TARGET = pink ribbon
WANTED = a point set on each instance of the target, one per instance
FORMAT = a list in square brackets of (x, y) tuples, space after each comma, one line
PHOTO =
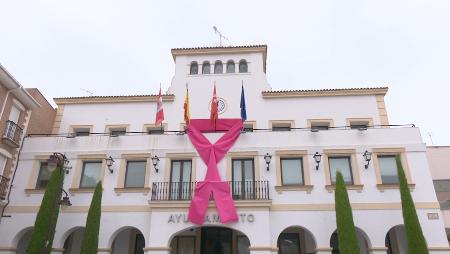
[(212, 154)]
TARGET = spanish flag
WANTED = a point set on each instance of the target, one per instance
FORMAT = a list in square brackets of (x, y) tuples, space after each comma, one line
[(187, 113)]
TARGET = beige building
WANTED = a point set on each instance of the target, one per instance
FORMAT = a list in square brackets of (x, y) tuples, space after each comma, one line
[(439, 160), (23, 111)]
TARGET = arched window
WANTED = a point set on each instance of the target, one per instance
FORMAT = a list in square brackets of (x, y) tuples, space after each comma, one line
[(230, 66), (194, 68), (218, 67), (243, 68), (206, 68)]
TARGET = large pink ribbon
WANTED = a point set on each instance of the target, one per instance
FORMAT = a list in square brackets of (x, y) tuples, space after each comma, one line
[(211, 154)]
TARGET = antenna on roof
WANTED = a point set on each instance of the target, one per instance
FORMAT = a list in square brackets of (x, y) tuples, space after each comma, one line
[(87, 91), (221, 36)]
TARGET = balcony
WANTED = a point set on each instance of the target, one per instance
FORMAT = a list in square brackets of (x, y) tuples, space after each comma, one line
[(12, 134), (183, 191), (3, 187)]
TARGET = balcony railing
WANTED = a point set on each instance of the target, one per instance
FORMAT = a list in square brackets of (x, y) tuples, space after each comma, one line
[(12, 134), (3, 187), (240, 190)]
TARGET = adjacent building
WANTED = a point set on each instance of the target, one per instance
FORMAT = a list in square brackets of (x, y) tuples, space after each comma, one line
[(281, 171), (22, 111)]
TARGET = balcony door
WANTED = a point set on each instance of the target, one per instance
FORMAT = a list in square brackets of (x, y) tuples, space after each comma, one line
[(180, 180), (243, 184)]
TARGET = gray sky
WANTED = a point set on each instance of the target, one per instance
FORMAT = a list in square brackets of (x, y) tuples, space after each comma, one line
[(123, 47)]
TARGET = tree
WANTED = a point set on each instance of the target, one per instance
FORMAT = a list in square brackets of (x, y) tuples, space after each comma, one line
[(89, 244), (44, 227), (347, 239), (414, 236)]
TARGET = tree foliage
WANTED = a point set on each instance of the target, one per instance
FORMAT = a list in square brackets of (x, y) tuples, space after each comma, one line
[(414, 236), (89, 244), (44, 226), (347, 239)]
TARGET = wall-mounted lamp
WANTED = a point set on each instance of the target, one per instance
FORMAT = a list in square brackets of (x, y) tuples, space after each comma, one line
[(65, 201), (317, 158), (58, 159), (267, 158), (367, 157), (109, 163), (155, 161)]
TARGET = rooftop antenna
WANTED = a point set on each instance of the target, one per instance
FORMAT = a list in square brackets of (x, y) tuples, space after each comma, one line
[(430, 134), (87, 91), (221, 36)]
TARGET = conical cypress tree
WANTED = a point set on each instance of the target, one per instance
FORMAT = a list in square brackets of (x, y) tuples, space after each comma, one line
[(414, 236), (44, 227), (89, 244), (347, 239)]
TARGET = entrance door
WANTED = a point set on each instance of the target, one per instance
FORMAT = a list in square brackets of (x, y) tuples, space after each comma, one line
[(216, 240), (289, 243), (243, 179)]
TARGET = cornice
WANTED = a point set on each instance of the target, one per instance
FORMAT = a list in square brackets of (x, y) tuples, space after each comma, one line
[(325, 92), (112, 99)]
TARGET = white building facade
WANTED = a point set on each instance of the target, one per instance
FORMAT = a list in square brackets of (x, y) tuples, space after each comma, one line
[(286, 206)]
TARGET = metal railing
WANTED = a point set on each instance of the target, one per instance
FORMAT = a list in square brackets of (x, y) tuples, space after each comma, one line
[(13, 132), (240, 190), (3, 187)]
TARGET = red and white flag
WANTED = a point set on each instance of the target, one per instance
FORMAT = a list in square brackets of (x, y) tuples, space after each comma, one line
[(214, 110), (159, 109)]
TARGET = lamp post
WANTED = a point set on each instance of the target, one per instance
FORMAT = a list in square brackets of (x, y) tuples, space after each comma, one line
[(57, 161)]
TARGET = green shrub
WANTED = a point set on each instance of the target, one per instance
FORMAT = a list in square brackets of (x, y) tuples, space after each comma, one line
[(47, 217), (347, 239), (414, 236), (89, 244)]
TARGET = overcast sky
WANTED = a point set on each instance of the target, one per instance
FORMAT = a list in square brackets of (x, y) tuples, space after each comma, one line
[(123, 47)]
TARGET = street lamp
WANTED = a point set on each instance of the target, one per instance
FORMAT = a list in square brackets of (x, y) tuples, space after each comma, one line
[(317, 158), (367, 157), (267, 158), (155, 161), (109, 163)]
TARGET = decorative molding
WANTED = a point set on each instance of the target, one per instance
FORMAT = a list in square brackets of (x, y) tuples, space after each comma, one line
[(381, 91), (112, 99), (281, 188), (381, 106), (132, 190)]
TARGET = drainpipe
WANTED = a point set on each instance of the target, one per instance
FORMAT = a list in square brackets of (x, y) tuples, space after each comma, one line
[(15, 168)]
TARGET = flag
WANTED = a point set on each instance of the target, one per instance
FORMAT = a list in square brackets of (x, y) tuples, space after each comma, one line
[(243, 109), (159, 109), (187, 112), (214, 111)]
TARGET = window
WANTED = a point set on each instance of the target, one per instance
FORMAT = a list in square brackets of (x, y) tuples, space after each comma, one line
[(206, 68), (359, 123), (388, 169), (155, 130), (91, 174), (114, 132), (218, 67), (289, 243), (180, 178), (194, 68), (2, 163), (442, 188), (230, 66), (291, 171), (44, 175), (248, 127), (320, 126), (343, 165), (81, 132), (14, 114), (281, 126), (243, 66), (243, 184), (135, 174)]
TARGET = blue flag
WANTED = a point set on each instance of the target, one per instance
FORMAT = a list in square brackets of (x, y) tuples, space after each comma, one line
[(243, 110)]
